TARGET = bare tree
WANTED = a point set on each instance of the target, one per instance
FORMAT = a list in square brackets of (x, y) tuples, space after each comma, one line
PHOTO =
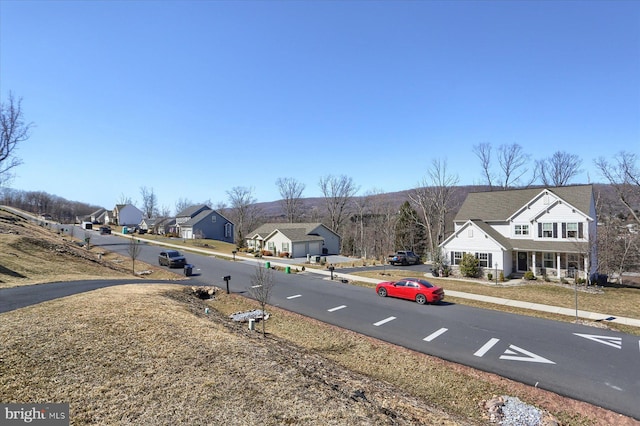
[(362, 212), (124, 200), (559, 169), (512, 161), (384, 216), (624, 176), (149, 202), (14, 131), (134, 251), (165, 211), (338, 191), (483, 152), (261, 286), (433, 199), (182, 204), (243, 211), (291, 193)]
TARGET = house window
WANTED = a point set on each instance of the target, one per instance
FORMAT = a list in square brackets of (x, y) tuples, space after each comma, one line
[(271, 246), (547, 230), (285, 247), (483, 259), (549, 260), (522, 229), (213, 218), (227, 230), (456, 258), (470, 233), (572, 230)]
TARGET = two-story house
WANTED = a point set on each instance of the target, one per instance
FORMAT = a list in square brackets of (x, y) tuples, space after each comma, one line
[(548, 231), (127, 214)]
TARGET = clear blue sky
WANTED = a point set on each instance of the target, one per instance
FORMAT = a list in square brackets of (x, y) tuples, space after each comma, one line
[(193, 98)]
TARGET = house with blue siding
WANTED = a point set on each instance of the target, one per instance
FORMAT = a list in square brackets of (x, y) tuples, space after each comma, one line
[(202, 222)]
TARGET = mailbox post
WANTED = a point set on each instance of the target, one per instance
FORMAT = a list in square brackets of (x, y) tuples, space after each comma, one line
[(226, 278), (234, 255)]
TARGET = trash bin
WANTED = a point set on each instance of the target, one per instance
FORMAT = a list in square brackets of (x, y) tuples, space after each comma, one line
[(124, 229), (267, 265), (188, 269), (287, 269), (317, 259)]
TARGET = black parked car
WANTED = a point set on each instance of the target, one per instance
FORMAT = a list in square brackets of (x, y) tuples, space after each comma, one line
[(172, 259)]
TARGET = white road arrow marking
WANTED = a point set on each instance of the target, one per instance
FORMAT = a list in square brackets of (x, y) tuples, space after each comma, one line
[(616, 342), (515, 353), (294, 296), (435, 334), (384, 321), (485, 348), (337, 308)]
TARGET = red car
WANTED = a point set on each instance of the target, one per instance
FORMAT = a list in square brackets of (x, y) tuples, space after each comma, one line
[(422, 291)]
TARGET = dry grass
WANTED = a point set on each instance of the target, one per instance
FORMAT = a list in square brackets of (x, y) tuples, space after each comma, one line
[(147, 354), (32, 255)]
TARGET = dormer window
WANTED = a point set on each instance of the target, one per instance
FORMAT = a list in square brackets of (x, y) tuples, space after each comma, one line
[(521, 230)]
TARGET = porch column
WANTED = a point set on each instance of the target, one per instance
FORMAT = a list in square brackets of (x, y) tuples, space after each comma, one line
[(558, 266), (533, 263), (585, 261)]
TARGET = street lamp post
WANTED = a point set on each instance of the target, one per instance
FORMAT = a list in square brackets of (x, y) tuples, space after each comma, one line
[(496, 273)]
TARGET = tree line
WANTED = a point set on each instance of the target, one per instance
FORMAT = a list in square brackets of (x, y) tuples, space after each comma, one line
[(373, 224)]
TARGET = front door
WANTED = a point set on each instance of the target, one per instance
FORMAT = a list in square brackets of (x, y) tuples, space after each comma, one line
[(522, 261)]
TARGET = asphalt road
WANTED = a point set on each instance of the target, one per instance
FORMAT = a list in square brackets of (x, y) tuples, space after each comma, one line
[(598, 366)]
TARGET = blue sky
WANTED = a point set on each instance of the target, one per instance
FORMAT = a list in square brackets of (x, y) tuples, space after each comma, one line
[(193, 98)]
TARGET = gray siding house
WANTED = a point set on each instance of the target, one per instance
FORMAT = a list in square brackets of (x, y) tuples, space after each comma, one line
[(203, 222)]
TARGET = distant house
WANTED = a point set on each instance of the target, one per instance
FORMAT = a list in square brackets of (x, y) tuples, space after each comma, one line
[(548, 231), (165, 225), (109, 218), (297, 239), (201, 221), (148, 223), (127, 215), (98, 216)]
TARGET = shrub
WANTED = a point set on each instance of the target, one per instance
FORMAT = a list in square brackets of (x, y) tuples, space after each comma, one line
[(266, 253), (284, 254), (501, 276), (529, 276), (469, 266), (490, 276)]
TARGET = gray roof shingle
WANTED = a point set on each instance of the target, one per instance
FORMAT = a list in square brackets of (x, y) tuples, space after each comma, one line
[(500, 205)]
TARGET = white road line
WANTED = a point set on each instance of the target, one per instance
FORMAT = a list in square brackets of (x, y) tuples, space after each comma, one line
[(294, 296), (337, 308), (615, 342), (384, 321), (255, 286), (434, 335), (484, 349)]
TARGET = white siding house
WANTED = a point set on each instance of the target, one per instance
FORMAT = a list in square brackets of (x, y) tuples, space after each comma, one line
[(548, 231), (297, 239)]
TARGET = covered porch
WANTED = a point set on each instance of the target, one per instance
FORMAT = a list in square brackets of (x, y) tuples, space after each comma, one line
[(551, 264)]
